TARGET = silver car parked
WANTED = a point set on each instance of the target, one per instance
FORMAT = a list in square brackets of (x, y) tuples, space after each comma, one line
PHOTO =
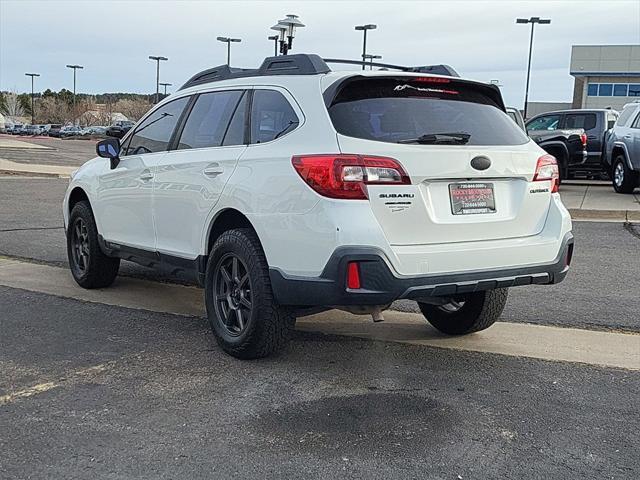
[(623, 150)]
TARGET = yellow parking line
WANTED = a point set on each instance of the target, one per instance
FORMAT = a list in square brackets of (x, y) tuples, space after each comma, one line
[(73, 378)]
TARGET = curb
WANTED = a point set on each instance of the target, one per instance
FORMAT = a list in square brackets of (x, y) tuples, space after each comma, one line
[(605, 215)]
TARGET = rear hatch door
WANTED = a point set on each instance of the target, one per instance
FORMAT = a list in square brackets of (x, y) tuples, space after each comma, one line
[(471, 167)]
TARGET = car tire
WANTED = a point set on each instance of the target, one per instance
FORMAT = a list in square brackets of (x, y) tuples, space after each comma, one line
[(90, 267), (466, 313), (624, 179), (243, 313)]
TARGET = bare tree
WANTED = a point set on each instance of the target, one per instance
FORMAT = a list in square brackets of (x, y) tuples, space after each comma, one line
[(12, 106), (52, 110), (133, 109)]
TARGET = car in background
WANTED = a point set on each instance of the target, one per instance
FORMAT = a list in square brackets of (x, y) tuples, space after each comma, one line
[(15, 130), (622, 157), (54, 130), (594, 122), (516, 116), (29, 130), (70, 131), (94, 130), (119, 128), (569, 147)]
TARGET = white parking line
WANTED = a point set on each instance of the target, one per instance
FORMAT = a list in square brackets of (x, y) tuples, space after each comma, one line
[(609, 349)]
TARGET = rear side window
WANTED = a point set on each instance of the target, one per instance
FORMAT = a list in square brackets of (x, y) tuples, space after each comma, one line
[(546, 122), (209, 119), (417, 110), (272, 116), (586, 121), (154, 134)]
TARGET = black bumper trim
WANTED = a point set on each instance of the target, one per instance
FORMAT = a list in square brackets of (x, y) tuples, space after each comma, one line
[(381, 285)]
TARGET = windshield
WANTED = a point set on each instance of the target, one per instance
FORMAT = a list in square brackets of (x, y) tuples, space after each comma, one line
[(422, 110)]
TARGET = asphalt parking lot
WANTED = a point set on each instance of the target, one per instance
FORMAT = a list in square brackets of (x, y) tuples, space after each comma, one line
[(113, 389)]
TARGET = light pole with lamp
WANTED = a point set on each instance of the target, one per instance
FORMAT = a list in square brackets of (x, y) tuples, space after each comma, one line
[(32, 75), (532, 21), (74, 67), (228, 41), (371, 58), (364, 28), (275, 41), (157, 60), (165, 85), (287, 28)]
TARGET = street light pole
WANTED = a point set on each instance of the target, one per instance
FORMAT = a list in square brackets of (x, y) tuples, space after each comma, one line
[(275, 41), (532, 21), (364, 28), (287, 29), (165, 85), (32, 75), (157, 60), (371, 58), (74, 67), (228, 41)]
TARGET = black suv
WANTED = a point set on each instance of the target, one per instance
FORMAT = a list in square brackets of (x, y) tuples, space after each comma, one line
[(595, 123)]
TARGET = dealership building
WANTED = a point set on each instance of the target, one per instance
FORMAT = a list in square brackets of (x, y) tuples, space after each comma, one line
[(606, 76)]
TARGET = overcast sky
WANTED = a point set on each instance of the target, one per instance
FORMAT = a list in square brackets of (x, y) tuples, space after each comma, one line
[(113, 39)]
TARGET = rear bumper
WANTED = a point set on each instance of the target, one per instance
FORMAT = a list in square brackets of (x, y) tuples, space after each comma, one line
[(381, 285)]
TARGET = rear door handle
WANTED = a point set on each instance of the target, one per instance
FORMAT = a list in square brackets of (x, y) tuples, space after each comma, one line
[(146, 175), (213, 170)]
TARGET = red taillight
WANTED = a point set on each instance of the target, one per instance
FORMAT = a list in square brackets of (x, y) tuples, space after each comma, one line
[(353, 276), (583, 139), (547, 169), (346, 176)]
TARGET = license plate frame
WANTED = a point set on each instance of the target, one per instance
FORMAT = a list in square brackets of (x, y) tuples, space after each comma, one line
[(472, 198)]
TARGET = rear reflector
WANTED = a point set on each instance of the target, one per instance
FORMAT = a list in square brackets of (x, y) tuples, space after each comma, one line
[(547, 169), (346, 176), (353, 276)]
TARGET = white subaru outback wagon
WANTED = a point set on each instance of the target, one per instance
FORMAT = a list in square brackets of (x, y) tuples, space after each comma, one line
[(291, 189)]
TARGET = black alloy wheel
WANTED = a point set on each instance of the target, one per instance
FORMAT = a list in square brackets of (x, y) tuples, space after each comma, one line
[(80, 253), (233, 297)]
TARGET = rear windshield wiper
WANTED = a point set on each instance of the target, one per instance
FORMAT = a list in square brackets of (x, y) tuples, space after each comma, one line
[(439, 138)]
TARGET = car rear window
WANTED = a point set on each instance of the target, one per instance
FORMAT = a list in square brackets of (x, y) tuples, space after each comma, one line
[(424, 109)]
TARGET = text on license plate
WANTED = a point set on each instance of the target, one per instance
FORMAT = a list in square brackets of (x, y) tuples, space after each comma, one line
[(472, 198)]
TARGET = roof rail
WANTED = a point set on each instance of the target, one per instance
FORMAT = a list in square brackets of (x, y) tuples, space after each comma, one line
[(433, 69), (298, 64)]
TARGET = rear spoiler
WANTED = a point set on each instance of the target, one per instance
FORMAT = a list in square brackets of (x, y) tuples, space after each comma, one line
[(490, 90)]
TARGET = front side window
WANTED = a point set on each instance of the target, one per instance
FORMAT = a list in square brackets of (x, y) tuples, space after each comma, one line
[(547, 122), (634, 90), (272, 116), (586, 121), (208, 122), (592, 90), (154, 133)]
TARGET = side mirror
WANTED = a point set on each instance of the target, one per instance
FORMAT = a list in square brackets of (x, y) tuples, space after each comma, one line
[(109, 148)]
